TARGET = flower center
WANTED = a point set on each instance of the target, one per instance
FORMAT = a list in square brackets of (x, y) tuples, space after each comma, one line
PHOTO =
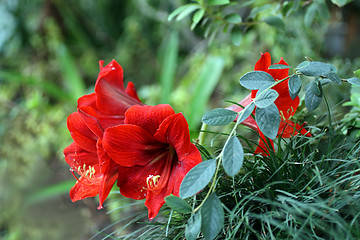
[(86, 172), (158, 182)]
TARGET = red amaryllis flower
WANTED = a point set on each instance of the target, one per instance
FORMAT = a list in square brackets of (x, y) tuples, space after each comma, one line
[(154, 153), (286, 105), (97, 112)]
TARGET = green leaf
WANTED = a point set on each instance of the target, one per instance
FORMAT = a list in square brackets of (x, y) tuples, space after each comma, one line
[(256, 79), (341, 3), (265, 98), (50, 192), (357, 73), (279, 66), (197, 17), (236, 35), (193, 226), (302, 64), (316, 69), (333, 77), (178, 204), (233, 157), (247, 112), (275, 21), (268, 120), (203, 85), (197, 178), (310, 15), (212, 215), (187, 11), (168, 56), (354, 80), (218, 2), (185, 8), (294, 84), (313, 96), (219, 117), (233, 18)]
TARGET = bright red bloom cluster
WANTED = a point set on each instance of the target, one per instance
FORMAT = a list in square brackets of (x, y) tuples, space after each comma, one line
[(286, 105), (147, 149)]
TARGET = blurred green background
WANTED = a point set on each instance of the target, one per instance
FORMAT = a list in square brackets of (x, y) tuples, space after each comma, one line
[(49, 53)]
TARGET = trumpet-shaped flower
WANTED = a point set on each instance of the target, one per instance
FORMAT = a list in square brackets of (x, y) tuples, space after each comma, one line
[(154, 153), (96, 112)]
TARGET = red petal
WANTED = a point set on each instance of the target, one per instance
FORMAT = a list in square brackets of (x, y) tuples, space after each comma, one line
[(109, 169), (131, 91), (148, 117), (130, 145), (83, 189), (175, 131), (154, 201), (263, 63), (110, 92), (81, 134)]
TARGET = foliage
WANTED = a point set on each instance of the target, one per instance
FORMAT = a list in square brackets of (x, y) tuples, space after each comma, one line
[(49, 52)]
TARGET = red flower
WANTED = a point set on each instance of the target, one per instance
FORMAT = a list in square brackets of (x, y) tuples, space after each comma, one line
[(96, 112), (154, 153), (286, 105)]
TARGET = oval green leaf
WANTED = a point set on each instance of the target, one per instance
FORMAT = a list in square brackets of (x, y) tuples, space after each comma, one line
[(316, 69), (178, 204), (191, 8), (275, 21), (313, 96), (198, 15), (279, 66), (197, 178), (294, 84), (256, 79), (354, 80), (333, 77), (193, 226), (218, 2), (212, 215), (268, 120), (265, 98), (357, 73), (233, 18), (246, 112), (219, 117), (233, 157), (236, 35)]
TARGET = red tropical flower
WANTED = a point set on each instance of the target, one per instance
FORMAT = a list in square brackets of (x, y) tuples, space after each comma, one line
[(286, 105), (96, 112), (154, 153)]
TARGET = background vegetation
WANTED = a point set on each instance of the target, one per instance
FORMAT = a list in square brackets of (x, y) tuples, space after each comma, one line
[(49, 53)]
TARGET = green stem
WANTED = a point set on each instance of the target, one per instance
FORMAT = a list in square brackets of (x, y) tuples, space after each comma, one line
[(329, 113), (202, 133)]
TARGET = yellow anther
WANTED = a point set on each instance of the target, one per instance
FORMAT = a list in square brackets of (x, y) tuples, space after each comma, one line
[(151, 181), (282, 115)]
